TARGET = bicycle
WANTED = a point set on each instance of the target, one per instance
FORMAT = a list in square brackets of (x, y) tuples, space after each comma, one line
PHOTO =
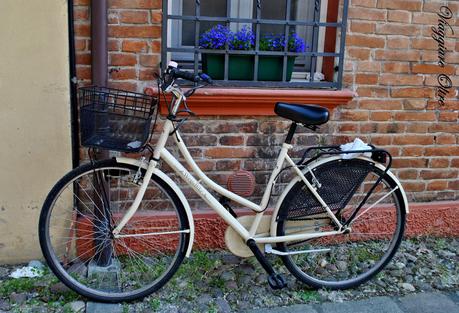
[(118, 229)]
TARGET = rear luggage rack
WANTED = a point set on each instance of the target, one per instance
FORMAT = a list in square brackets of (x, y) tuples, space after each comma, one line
[(377, 154)]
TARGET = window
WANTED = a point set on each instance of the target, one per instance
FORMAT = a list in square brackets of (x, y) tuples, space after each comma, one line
[(264, 62)]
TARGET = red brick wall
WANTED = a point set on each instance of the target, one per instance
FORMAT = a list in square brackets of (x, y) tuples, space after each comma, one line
[(390, 63), (134, 28)]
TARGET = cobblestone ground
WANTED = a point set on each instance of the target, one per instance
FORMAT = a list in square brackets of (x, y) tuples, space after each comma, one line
[(220, 282)]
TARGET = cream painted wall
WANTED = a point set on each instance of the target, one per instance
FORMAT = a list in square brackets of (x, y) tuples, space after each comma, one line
[(35, 146)]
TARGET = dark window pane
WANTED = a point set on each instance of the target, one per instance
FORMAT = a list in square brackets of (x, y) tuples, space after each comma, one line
[(188, 32), (215, 8), (188, 7), (267, 29), (273, 9)]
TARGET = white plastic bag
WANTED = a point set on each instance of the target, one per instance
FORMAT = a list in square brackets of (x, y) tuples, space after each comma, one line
[(357, 144), (34, 269), (134, 144)]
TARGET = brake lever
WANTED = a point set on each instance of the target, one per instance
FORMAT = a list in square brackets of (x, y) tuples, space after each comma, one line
[(191, 91), (186, 110)]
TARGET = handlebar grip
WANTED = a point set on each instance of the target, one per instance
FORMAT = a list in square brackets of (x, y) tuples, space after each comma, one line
[(185, 75), (206, 78)]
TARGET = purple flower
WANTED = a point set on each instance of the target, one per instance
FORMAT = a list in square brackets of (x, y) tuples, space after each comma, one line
[(296, 43), (219, 36), (273, 42), (244, 39), (215, 38)]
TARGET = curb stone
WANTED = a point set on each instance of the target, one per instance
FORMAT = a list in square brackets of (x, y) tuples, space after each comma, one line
[(415, 303), (428, 303), (299, 308), (96, 307), (374, 305), (455, 297)]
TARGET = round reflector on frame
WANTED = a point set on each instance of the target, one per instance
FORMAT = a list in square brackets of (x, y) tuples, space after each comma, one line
[(242, 183)]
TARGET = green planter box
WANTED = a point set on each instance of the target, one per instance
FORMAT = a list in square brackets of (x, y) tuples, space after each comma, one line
[(241, 67), (270, 67)]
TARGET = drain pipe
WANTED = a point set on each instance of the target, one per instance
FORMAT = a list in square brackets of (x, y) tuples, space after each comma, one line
[(99, 35), (99, 50), (73, 89), (99, 54)]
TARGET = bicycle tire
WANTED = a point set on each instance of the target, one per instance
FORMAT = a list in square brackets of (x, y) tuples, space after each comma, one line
[(129, 257), (321, 269)]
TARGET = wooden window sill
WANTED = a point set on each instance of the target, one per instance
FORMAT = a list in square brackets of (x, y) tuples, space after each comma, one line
[(258, 102)]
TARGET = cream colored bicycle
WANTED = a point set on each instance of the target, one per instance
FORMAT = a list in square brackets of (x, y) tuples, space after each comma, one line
[(118, 229)]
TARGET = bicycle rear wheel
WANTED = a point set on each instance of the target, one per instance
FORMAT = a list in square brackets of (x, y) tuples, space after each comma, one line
[(76, 237), (349, 259)]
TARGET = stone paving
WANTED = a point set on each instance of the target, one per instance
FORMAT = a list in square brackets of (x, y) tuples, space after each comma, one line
[(423, 277)]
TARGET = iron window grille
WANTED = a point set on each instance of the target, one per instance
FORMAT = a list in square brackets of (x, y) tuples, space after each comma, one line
[(311, 55)]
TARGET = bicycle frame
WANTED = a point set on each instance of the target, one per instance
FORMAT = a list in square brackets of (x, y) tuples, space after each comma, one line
[(161, 152)]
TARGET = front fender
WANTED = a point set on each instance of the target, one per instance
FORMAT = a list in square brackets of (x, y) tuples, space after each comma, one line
[(174, 187), (317, 163)]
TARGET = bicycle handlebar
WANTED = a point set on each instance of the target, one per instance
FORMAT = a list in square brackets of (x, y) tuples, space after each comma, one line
[(190, 76), (185, 75), (172, 72)]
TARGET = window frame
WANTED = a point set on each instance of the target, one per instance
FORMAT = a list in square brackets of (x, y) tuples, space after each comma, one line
[(329, 55)]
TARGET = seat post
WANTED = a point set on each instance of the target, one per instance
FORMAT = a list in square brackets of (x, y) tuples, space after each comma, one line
[(290, 134)]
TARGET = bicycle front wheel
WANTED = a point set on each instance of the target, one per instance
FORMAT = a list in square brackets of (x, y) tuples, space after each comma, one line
[(349, 259), (76, 238)]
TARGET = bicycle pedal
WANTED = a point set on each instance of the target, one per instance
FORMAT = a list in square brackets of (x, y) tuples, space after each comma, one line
[(276, 281)]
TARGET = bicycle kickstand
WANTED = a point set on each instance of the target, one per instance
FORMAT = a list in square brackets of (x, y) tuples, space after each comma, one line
[(275, 281)]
